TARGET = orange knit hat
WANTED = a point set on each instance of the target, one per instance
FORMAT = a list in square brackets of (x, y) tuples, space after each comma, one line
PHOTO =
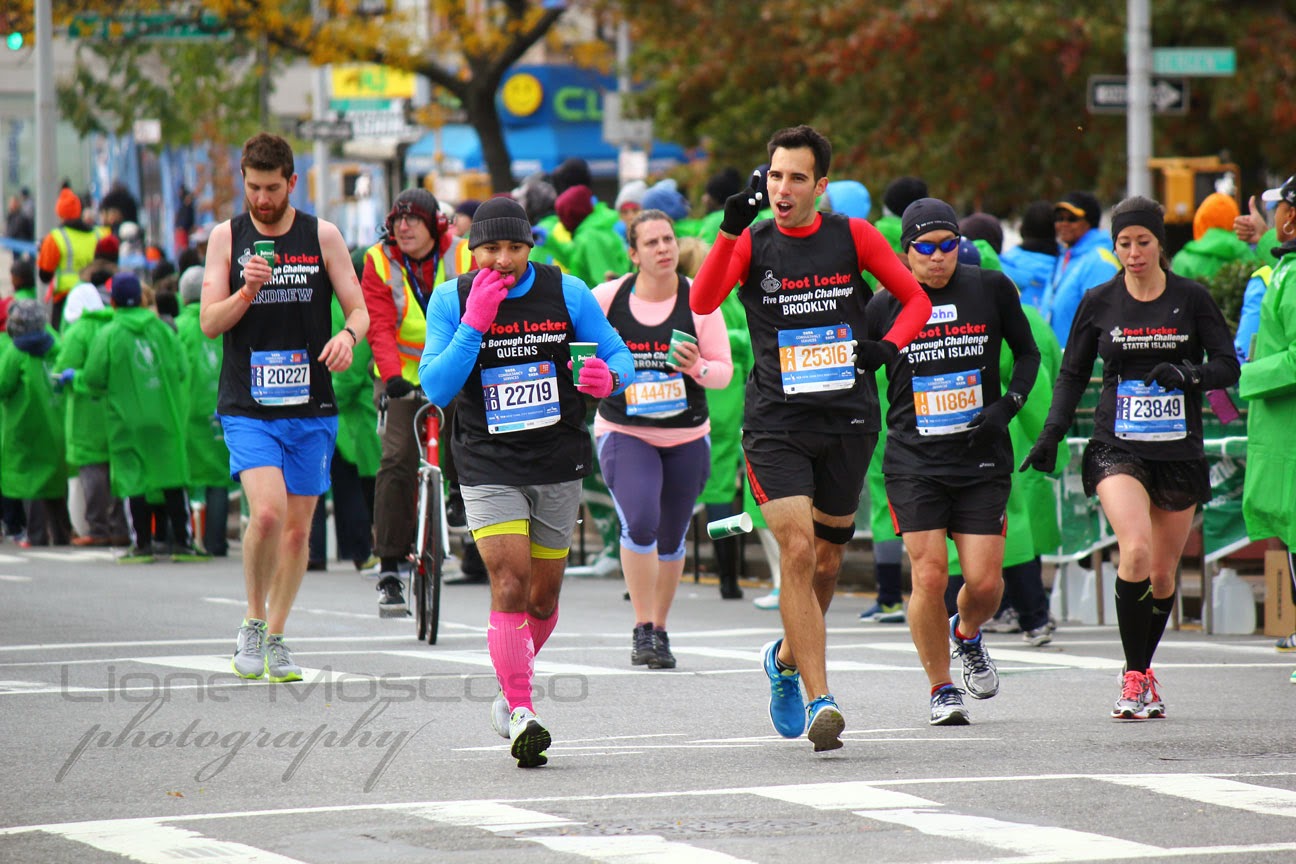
[(1217, 211), (68, 206)]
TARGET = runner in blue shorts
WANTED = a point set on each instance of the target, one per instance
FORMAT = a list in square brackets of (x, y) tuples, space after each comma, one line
[(276, 392)]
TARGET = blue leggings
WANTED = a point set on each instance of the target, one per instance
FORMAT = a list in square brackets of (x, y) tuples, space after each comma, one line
[(654, 489)]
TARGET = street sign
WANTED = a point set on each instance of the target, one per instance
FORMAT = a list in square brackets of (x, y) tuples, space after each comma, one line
[(324, 130), (1109, 94), (618, 129), (152, 27), (383, 124), (1201, 62)]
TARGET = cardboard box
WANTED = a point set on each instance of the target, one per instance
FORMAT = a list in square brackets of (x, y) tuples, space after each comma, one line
[(1280, 613)]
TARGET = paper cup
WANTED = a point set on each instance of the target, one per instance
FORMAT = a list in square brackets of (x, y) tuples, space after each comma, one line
[(265, 248), (580, 352), (678, 336), (740, 524)]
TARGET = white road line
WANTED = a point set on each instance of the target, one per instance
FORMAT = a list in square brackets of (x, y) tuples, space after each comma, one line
[(488, 815), (7, 578), (641, 849), (71, 557), (1037, 842), (1031, 658), (851, 795), (1215, 790), (482, 659), (227, 639), (219, 664), (150, 843), (13, 559)]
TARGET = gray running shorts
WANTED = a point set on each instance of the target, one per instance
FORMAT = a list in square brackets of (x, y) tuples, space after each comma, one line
[(549, 511)]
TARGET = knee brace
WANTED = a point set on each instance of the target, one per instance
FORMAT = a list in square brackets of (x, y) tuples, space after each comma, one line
[(840, 536)]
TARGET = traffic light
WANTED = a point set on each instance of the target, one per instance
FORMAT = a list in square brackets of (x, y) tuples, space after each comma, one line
[(15, 41)]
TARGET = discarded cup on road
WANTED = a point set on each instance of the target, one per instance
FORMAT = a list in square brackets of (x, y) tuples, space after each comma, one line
[(729, 527)]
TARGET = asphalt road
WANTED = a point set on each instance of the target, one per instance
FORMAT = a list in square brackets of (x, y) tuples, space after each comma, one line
[(126, 738)]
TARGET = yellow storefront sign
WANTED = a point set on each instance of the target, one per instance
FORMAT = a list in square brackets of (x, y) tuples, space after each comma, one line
[(371, 81)]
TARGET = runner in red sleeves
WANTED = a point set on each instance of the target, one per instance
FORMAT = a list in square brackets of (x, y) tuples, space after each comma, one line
[(811, 417)]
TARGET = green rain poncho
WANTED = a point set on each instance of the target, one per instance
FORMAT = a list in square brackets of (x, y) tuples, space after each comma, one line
[(139, 363), (87, 432), (31, 426), (204, 439)]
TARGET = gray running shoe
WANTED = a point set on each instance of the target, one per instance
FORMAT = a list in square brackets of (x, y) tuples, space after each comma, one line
[(1152, 702), (947, 707), (279, 662), (530, 738), (1005, 622), (250, 650), (1130, 705), (980, 676), (500, 715), (1038, 637)]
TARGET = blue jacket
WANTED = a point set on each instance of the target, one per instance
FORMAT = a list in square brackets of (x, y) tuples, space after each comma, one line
[(451, 348), (1249, 320), (1031, 272), (1088, 263)]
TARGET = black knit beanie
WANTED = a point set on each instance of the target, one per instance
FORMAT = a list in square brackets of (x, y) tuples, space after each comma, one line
[(924, 215), (500, 219)]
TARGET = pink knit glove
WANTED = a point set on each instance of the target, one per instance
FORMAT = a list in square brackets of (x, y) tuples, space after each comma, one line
[(489, 289), (595, 378)]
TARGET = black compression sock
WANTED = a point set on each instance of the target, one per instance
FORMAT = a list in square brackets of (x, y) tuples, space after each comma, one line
[(1134, 615), (1161, 608)]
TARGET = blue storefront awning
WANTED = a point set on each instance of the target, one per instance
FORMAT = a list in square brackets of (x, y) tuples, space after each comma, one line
[(531, 148)]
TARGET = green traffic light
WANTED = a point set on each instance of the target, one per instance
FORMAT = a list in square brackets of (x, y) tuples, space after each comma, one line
[(15, 41)]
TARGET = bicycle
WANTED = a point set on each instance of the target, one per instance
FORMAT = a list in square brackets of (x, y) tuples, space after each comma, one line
[(432, 541), (427, 558)]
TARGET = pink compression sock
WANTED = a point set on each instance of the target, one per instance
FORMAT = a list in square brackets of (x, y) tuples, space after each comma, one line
[(541, 628), (512, 651)]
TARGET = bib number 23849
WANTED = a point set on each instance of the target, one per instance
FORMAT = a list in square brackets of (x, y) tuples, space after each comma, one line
[(1149, 412), (520, 397), (280, 377)]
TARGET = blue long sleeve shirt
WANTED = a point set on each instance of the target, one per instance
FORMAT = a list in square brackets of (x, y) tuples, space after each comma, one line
[(1088, 263), (451, 347)]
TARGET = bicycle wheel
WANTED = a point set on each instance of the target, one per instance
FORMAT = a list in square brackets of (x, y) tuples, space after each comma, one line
[(430, 563), (418, 587)]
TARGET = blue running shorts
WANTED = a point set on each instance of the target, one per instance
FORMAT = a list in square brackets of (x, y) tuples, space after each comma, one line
[(300, 447)]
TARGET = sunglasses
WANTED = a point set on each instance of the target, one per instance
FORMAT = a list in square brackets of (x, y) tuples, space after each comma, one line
[(947, 246), (1065, 216)]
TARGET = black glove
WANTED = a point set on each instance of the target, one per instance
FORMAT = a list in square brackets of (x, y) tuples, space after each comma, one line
[(398, 387), (740, 210), (992, 423), (1043, 456), (1186, 377), (871, 356)]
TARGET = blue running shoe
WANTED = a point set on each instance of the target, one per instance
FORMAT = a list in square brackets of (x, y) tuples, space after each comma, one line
[(786, 709), (826, 724)]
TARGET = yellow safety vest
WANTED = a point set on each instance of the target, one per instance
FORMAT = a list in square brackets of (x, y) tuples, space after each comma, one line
[(76, 251), (411, 323), (1265, 273)]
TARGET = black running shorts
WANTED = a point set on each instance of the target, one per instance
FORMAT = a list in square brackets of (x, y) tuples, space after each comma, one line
[(957, 505), (1172, 485), (827, 467)]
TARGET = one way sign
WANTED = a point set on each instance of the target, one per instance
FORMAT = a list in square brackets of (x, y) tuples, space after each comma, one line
[(1109, 94)]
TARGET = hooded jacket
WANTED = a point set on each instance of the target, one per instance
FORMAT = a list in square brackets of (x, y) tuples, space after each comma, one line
[(209, 461), (1268, 382), (1199, 260), (32, 463), (87, 433), (139, 363)]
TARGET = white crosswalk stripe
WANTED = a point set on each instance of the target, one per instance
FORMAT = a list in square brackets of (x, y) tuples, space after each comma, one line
[(988, 840)]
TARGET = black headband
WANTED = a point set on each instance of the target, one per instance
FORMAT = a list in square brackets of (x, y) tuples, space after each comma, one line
[(1143, 217)]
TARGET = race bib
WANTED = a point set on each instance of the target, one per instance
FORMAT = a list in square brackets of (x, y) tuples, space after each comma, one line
[(280, 377), (520, 397), (1149, 412), (655, 394), (945, 404), (816, 359)]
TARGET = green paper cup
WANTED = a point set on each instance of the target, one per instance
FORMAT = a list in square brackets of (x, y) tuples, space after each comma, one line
[(678, 336), (265, 248), (580, 352), (730, 527)]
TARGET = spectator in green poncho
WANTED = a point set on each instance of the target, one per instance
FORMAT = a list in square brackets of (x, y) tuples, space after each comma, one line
[(87, 435), (596, 253), (209, 475), (1214, 243), (32, 464)]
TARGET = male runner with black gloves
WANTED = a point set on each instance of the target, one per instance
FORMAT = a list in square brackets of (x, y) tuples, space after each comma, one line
[(811, 416), (948, 461)]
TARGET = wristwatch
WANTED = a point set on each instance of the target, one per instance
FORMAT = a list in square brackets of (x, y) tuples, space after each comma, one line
[(1017, 399), (616, 381)]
